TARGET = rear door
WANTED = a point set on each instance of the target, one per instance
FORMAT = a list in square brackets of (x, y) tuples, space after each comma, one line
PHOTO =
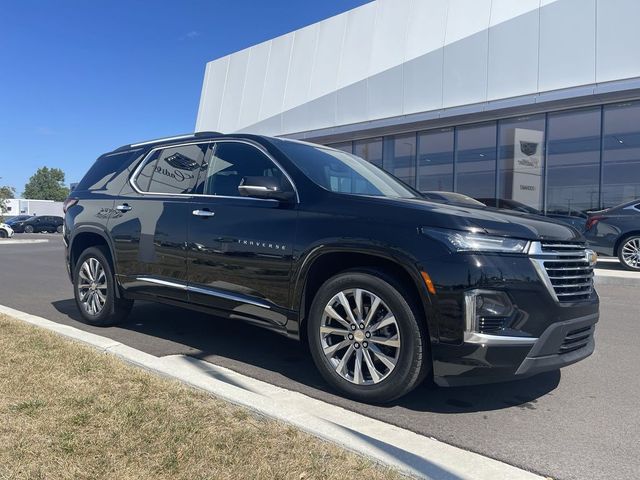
[(240, 248), (150, 219)]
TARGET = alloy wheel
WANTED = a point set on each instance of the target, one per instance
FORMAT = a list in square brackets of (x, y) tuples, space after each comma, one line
[(360, 336), (631, 252), (92, 286)]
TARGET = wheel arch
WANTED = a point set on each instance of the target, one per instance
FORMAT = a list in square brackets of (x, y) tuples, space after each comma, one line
[(86, 237), (326, 262)]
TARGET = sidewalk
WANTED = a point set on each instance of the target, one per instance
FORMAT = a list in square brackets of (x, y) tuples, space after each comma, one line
[(609, 272)]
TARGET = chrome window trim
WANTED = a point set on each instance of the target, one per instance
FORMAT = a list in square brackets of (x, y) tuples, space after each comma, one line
[(260, 148), (205, 291)]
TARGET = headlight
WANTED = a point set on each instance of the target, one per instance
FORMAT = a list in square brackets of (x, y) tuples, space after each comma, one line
[(459, 241)]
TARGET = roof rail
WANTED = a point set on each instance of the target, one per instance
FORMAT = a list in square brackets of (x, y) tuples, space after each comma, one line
[(165, 139)]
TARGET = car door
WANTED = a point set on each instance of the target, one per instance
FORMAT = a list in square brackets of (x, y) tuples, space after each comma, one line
[(240, 248), (148, 224)]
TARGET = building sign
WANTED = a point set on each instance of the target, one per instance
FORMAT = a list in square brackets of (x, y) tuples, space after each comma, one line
[(528, 166)]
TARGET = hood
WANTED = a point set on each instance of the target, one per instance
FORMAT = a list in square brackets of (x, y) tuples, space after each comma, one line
[(501, 223)]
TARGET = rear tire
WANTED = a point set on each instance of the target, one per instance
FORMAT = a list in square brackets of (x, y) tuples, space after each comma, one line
[(95, 290), (59, 229), (28, 229), (388, 357), (629, 253)]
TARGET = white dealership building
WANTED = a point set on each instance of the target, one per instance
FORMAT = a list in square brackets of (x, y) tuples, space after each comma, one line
[(536, 101)]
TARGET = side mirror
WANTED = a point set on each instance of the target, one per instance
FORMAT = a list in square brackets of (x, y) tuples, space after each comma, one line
[(264, 187)]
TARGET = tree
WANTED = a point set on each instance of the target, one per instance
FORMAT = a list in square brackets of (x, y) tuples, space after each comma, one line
[(46, 184), (6, 193)]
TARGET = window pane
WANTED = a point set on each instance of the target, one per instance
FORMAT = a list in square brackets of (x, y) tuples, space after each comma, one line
[(476, 160), (521, 160), (435, 160), (144, 177), (400, 158), (344, 146), (341, 172), (370, 150), (231, 162), (621, 160), (106, 168), (176, 169), (573, 161)]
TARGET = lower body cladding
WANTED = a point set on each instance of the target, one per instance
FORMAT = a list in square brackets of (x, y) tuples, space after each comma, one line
[(560, 345)]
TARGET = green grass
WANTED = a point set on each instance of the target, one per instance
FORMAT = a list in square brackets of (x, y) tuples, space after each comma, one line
[(67, 411)]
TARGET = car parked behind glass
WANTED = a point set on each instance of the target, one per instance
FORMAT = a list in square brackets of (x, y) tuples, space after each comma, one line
[(40, 223), (574, 218), (616, 232)]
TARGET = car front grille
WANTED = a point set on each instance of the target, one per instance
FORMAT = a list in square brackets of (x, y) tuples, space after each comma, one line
[(568, 272), (576, 339)]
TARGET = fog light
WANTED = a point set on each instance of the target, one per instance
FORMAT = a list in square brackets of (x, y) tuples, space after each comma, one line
[(486, 311)]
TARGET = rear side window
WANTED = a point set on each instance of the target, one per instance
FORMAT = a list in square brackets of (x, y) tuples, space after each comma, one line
[(230, 163), (172, 170), (105, 169)]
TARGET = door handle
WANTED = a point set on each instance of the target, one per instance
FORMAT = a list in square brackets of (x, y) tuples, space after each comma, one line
[(203, 213), (123, 208)]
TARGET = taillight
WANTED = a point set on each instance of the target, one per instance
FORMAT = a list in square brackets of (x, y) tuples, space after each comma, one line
[(592, 222), (68, 203)]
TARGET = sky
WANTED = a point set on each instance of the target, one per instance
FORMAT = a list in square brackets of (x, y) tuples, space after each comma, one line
[(79, 78)]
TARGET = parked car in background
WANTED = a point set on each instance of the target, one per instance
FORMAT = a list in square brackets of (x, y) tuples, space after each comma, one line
[(575, 218), (5, 231), (452, 198), (616, 232), (40, 223), (18, 218)]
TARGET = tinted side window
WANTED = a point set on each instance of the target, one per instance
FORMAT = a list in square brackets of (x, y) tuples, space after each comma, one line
[(230, 163), (105, 169), (172, 170)]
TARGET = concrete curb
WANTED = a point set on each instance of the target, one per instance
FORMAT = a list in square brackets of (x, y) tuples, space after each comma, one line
[(15, 241), (410, 453)]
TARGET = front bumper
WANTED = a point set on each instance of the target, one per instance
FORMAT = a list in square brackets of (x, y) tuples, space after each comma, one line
[(561, 344)]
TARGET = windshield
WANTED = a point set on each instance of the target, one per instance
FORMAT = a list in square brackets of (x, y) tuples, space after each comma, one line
[(341, 172)]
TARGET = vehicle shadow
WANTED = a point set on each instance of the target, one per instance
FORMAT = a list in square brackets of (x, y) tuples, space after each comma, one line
[(273, 358)]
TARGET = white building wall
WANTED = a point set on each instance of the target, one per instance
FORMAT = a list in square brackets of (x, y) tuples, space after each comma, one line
[(21, 206), (391, 58)]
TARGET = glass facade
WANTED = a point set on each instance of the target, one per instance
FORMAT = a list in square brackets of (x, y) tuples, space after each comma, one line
[(400, 157), (435, 160), (621, 153), (559, 162)]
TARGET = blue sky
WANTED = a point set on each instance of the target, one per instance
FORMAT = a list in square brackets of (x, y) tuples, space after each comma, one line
[(78, 78)]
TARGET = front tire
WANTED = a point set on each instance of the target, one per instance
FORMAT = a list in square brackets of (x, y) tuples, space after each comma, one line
[(94, 290), (629, 253), (3, 234), (59, 229), (28, 229), (366, 336)]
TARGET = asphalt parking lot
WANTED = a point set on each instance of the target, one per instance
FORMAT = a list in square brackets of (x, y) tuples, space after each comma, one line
[(580, 423)]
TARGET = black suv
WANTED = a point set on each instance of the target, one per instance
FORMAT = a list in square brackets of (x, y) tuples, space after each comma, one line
[(317, 244), (37, 224)]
